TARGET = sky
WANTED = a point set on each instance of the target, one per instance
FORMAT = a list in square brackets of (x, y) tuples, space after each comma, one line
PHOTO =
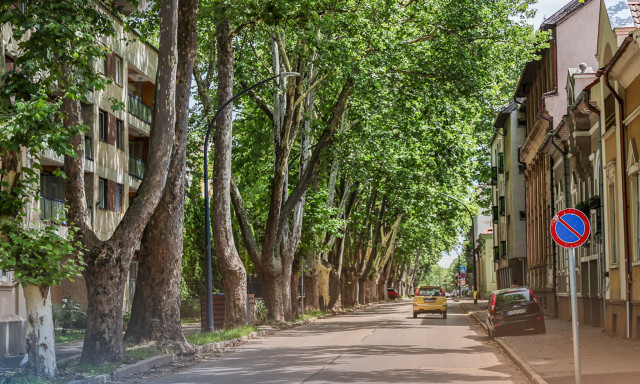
[(545, 8)]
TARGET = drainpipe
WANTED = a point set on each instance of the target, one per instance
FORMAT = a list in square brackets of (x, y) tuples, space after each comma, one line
[(555, 249), (566, 189), (587, 102), (623, 164)]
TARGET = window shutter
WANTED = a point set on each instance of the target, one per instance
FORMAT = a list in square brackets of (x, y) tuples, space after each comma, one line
[(111, 195), (110, 66), (111, 129)]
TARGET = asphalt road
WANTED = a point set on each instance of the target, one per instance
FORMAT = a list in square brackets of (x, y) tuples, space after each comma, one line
[(382, 344)]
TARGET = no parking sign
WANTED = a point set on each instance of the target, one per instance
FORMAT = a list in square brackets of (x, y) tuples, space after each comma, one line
[(570, 228)]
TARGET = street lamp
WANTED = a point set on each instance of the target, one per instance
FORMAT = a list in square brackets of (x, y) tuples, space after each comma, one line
[(473, 245), (207, 224)]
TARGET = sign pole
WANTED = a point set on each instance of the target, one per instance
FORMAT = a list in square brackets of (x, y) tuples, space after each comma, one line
[(574, 315)]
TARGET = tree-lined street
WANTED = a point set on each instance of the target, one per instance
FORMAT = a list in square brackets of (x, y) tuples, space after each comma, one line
[(379, 344)]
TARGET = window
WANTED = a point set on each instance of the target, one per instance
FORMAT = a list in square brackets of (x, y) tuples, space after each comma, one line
[(494, 175), (503, 245), (101, 68), (523, 215), (495, 212), (119, 194), (117, 76), (88, 148), (102, 193), (102, 125), (503, 205), (120, 134), (6, 276), (496, 254), (501, 162), (521, 168)]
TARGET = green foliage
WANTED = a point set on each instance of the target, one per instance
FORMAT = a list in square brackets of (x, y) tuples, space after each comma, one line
[(67, 336), (221, 335), (261, 312), (58, 44), (69, 315)]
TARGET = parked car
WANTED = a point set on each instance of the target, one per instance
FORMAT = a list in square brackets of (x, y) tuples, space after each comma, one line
[(430, 299), (513, 310), (392, 293)]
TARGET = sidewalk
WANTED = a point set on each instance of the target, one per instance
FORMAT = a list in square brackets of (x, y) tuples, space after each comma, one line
[(603, 358)]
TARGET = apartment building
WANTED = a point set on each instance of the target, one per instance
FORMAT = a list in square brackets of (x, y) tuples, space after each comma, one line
[(507, 193), (116, 148), (573, 38), (617, 96)]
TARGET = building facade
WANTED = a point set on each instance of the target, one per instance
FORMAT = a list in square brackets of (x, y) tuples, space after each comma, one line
[(487, 281), (573, 38), (116, 148), (507, 192)]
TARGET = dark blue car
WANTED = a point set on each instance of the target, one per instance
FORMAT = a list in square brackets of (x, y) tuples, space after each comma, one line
[(512, 310)]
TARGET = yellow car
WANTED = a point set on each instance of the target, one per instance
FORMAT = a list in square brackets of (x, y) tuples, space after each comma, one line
[(430, 299)]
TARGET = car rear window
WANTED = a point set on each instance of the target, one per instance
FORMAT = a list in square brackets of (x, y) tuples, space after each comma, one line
[(513, 297), (429, 292)]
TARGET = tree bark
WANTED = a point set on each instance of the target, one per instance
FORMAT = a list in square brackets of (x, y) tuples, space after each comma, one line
[(234, 274), (155, 313), (311, 298), (107, 262), (41, 354)]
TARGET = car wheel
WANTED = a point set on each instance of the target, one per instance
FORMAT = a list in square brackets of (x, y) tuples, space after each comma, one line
[(415, 315), (444, 315)]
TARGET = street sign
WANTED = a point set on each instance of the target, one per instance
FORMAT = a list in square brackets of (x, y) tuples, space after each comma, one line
[(463, 275), (463, 282), (570, 228), (463, 269)]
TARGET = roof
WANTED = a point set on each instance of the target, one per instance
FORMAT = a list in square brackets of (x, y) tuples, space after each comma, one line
[(564, 13), (504, 114), (487, 232), (634, 7), (620, 14)]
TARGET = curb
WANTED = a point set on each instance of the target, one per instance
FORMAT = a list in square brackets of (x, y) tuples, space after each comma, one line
[(531, 374), (143, 365)]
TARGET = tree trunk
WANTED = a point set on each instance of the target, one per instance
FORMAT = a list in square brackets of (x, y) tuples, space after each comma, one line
[(41, 353), (155, 313), (311, 299), (105, 276), (234, 274), (296, 270), (335, 290), (273, 295), (107, 262)]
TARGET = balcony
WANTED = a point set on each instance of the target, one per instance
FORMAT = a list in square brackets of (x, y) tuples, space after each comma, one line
[(136, 167), (139, 109), (501, 162), (51, 209), (503, 245), (494, 175), (494, 210), (503, 205), (496, 254)]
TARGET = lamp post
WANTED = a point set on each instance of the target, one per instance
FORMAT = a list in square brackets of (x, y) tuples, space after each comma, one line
[(473, 245), (207, 224)]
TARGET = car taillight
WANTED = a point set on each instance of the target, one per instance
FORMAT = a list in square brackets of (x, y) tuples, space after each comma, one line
[(533, 297), (493, 304)]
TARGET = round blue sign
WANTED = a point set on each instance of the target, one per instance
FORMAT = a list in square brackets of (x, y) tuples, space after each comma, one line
[(570, 228)]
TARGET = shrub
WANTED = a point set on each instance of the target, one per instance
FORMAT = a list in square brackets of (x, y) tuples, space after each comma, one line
[(69, 314), (261, 311)]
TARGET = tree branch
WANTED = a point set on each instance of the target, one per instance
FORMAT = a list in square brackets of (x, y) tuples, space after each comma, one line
[(430, 36), (245, 227), (312, 87), (264, 107)]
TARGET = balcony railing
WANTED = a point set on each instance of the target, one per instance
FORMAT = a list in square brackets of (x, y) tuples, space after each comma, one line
[(139, 109), (51, 209), (136, 167)]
